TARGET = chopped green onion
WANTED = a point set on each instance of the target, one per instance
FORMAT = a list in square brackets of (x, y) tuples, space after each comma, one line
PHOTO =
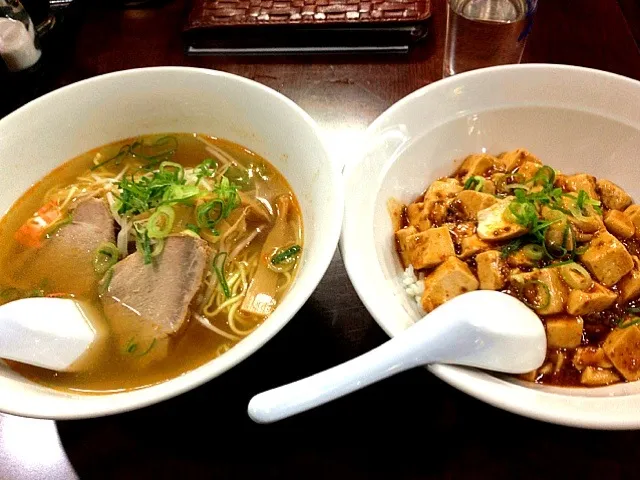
[(583, 200), (190, 233), (193, 228), (533, 252), (209, 214), (218, 269), (512, 247), (560, 264), (556, 241), (628, 322), (582, 197), (513, 186), (205, 169), (474, 183), (157, 247), (576, 276), (123, 152), (54, 227), (160, 222), (544, 176), (180, 194), (162, 149), (633, 309), (523, 213), (105, 257), (154, 153), (143, 244), (103, 286), (228, 193), (132, 346), (581, 250), (172, 168), (153, 342), (286, 256), (537, 284), (239, 177), (150, 191)]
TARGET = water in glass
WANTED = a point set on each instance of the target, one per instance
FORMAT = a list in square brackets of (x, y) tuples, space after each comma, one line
[(481, 33)]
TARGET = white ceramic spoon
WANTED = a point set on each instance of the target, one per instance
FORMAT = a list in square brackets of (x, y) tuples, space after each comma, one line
[(484, 329), (51, 333)]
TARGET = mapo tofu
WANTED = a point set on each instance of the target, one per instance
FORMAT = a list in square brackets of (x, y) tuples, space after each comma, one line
[(567, 245)]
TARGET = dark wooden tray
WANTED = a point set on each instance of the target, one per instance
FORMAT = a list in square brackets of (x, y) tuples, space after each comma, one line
[(303, 26)]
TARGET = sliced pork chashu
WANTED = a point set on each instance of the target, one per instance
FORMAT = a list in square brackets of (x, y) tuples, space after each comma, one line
[(146, 303), (66, 259)]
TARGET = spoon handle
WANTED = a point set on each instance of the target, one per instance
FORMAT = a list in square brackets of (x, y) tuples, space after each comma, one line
[(420, 344)]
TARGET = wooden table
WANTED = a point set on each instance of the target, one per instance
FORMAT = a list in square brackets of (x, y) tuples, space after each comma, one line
[(410, 426)]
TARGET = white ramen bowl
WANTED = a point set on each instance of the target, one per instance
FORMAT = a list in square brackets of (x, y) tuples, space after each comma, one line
[(57, 127), (575, 119)]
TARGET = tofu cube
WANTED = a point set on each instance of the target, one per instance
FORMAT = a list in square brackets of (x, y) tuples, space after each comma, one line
[(595, 376), (613, 197), (590, 356), (490, 268), (582, 181), (619, 224), (488, 187), (564, 331), (418, 216), (437, 199), (550, 277), (493, 226), (437, 210), (452, 278), (520, 260), (442, 190), (590, 222), (430, 248), (633, 212), (514, 158), (472, 245), (469, 202), (528, 169), (478, 164), (629, 285), (596, 299), (622, 346), (396, 212), (401, 243), (607, 258)]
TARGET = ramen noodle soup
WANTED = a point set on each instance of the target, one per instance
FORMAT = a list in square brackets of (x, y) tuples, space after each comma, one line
[(181, 243)]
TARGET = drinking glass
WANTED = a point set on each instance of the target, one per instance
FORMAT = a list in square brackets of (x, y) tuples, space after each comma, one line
[(482, 33)]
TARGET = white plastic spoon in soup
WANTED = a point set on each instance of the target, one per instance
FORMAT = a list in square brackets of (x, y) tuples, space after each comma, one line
[(52, 333), (483, 329)]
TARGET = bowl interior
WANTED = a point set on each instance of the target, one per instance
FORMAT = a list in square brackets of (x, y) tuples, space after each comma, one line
[(423, 136), (70, 121)]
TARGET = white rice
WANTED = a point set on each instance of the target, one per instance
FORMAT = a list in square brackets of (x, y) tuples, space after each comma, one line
[(413, 285)]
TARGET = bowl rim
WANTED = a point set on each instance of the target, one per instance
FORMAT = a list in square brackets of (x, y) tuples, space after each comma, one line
[(510, 396), (98, 405)]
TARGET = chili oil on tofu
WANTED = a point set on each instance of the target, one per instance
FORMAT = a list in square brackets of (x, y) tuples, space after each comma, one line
[(183, 244), (567, 245)]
